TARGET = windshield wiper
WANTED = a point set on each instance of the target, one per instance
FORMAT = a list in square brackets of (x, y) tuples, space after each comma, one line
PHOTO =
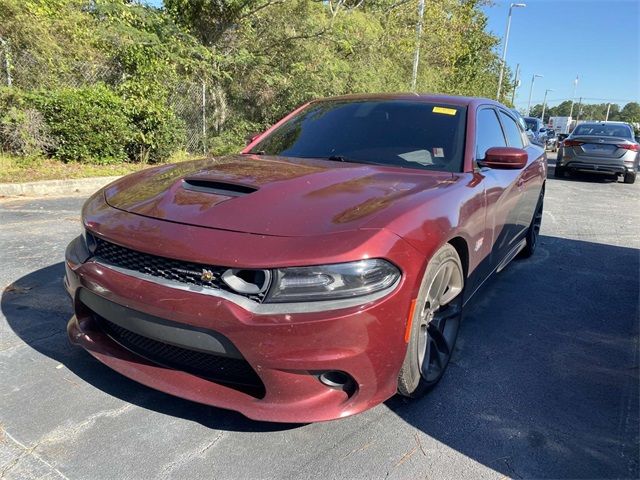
[(337, 158)]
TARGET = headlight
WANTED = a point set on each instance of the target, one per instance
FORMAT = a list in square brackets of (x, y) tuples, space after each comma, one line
[(329, 282)]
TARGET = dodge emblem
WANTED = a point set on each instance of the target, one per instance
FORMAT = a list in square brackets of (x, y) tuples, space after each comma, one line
[(206, 275)]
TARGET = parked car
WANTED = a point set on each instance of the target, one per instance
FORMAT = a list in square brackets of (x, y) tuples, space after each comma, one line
[(538, 130), (551, 141), (320, 271), (561, 138), (603, 147), (523, 125)]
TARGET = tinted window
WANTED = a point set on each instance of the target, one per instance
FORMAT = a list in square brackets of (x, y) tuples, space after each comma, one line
[(603, 130), (387, 132), (489, 134), (511, 130), (532, 124)]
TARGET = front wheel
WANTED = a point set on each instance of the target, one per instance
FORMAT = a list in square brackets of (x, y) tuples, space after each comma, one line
[(434, 324)]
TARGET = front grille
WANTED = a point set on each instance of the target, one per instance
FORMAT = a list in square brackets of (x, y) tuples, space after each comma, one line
[(235, 372), (201, 275)]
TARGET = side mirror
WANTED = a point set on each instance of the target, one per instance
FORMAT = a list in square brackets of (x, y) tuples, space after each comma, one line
[(507, 158), (251, 137)]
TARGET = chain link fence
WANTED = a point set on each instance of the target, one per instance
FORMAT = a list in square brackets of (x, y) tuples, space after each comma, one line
[(199, 104)]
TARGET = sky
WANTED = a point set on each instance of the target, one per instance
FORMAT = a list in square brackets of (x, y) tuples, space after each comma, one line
[(597, 39)]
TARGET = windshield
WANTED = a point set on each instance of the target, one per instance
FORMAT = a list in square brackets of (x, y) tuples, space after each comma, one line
[(603, 130), (400, 133)]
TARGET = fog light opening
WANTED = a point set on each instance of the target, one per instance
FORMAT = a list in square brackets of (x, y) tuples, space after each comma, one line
[(338, 380)]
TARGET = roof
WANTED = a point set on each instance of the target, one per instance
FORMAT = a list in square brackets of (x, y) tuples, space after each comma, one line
[(424, 97)]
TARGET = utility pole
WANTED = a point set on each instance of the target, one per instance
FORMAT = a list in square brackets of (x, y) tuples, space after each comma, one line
[(573, 98), (544, 103), (516, 84), (204, 118), (416, 55), (608, 110), (506, 44), (7, 60), (579, 110)]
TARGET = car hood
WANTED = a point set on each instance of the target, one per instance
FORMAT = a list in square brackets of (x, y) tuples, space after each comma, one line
[(270, 195)]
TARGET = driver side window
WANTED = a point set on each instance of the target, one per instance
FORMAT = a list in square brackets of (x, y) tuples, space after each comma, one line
[(488, 132)]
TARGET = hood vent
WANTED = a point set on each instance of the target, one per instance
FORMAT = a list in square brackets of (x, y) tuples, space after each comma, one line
[(218, 188)]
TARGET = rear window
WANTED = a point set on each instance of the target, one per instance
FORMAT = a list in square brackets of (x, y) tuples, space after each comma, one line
[(387, 132), (531, 124), (600, 130)]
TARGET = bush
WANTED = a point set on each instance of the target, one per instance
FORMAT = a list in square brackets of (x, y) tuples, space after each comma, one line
[(24, 132), (88, 124), (234, 137), (157, 133)]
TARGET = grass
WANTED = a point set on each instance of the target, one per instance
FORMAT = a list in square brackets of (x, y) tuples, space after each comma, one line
[(14, 169)]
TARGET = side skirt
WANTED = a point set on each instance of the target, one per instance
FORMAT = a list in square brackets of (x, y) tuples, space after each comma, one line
[(501, 266)]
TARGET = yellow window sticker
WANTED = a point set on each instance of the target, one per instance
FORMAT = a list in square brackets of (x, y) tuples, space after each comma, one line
[(444, 110)]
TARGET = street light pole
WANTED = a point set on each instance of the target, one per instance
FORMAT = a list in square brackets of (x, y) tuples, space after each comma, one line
[(506, 44), (533, 80), (573, 98), (544, 102)]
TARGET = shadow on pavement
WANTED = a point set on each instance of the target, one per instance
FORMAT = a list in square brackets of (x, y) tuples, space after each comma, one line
[(581, 176), (543, 383), (544, 380), (37, 308)]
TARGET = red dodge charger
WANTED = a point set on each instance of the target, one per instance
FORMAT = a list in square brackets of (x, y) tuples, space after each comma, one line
[(319, 272)]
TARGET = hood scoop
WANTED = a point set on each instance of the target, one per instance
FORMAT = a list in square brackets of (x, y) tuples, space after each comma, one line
[(216, 187)]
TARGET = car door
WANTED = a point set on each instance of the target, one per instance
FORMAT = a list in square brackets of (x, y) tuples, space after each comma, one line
[(528, 181), (502, 191)]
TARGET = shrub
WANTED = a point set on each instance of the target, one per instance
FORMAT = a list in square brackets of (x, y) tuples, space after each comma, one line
[(234, 137), (88, 124), (24, 132), (157, 133)]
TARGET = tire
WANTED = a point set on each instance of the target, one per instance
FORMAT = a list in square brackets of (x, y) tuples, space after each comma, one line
[(558, 172), (434, 324), (533, 232), (630, 177)]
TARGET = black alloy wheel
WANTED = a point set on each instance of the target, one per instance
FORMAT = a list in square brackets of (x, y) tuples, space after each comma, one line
[(435, 324)]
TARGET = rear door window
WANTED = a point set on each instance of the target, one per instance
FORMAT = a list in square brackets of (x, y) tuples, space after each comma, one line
[(511, 130), (488, 132)]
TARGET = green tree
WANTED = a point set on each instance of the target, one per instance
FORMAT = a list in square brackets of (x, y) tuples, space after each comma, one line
[(630, 112)]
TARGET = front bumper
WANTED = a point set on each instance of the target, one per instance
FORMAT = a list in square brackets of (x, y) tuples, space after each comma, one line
[(287, 351)]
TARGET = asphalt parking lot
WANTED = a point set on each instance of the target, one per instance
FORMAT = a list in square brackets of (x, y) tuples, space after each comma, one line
[(543, 383)]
